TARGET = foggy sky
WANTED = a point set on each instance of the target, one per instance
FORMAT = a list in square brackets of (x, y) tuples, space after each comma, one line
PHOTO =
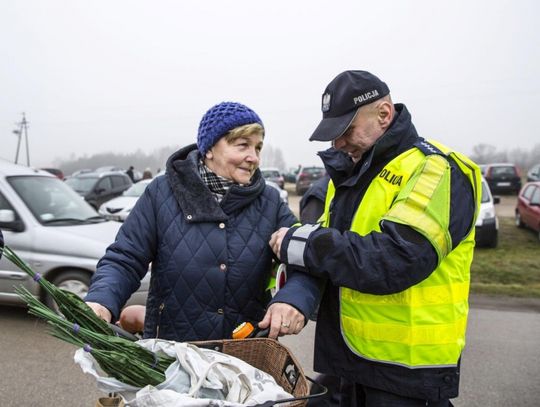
[(99, 76)]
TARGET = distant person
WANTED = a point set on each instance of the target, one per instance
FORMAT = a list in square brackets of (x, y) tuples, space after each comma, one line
[(147, 174), (204, 227), (395, 247), (312, 202), (130, 173)]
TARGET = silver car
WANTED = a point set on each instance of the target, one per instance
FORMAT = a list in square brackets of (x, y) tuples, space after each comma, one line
[(119, 208), (54, 230)]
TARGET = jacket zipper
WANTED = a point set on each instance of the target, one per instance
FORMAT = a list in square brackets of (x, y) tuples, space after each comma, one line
[(161, 306)]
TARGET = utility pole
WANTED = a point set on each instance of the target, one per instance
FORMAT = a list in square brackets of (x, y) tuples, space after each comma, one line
[(22, 128)]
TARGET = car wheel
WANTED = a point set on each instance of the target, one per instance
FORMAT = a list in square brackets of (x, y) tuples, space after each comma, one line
[(519, 222), (493, 241), (74, 281)]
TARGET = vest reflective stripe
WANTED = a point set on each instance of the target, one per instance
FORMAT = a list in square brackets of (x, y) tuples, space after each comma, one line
[(425, 202), (423, 326), (415, 296), (421, 335)]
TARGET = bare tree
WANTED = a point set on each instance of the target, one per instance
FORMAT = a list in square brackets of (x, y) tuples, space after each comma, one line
[(272, 157), (483, 153), (156, 160), (524, 159)]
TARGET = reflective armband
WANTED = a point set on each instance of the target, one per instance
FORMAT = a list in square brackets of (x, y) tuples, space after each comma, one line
[(297, 244)]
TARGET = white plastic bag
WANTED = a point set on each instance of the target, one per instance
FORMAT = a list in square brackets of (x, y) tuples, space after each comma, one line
[(198, 377)]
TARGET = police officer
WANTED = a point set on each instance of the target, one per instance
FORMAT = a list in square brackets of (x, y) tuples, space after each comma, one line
[(395, 248), (312, 202)]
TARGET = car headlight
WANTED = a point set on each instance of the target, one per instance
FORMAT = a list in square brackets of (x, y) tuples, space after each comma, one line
[(490, 213)]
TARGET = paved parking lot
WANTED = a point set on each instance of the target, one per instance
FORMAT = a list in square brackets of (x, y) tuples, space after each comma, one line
[(501, 364)]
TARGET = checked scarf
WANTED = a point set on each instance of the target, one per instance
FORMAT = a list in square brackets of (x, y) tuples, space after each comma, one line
[(216, 184)]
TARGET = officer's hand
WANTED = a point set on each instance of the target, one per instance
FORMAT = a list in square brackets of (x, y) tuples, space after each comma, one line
[(100, 311), (277, 239), (283, 319), (132, 318)]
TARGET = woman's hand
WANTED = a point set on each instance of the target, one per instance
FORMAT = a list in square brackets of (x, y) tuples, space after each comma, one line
[(100, 311), (283, 319)]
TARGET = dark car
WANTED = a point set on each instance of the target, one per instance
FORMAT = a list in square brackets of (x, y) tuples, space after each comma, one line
[(307, 176), (58, 173), (528, 207), (534, 173), (290, 176), (97, 188), (503, 177), (274, 175)]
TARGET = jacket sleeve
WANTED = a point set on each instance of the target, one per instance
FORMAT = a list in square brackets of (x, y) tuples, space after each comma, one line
[(384, 262), (125, 263), (302, 291)]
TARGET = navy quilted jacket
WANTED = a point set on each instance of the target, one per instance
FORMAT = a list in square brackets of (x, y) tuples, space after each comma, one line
[(211, 261)]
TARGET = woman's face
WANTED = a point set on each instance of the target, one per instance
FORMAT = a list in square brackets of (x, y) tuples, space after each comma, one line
[(236, 160)]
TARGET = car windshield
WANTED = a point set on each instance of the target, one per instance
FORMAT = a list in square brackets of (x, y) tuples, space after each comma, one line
[(82, 184), (136, 190), (313, 170), (503, 171), (270, 174), (52, 202), (485, 192)]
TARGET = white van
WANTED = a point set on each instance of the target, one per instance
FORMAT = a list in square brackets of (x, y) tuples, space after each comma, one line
[(487, 223), (54, 230)]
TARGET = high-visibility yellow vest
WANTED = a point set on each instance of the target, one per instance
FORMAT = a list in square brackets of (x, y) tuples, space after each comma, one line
[(423, 326)]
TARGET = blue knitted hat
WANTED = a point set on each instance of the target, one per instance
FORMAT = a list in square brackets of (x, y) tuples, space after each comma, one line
[(221, 118)]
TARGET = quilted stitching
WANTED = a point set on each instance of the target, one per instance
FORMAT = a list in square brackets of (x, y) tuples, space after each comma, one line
[(188, 274)]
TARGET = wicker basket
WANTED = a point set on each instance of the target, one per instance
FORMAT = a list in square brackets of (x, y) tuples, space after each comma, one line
[(265, 354), (269, 356)]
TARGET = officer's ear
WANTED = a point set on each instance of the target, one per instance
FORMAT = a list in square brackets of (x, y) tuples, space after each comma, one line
[(385, 114)]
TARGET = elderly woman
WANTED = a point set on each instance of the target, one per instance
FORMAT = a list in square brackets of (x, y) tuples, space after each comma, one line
[(205, 228)]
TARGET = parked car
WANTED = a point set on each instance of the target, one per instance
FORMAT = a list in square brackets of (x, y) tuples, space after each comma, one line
[(487, 223), (528, 207), (81, 171), (284, 195), (52, 229), (98, 188), (119, 208), (56, 172), (306, 176), (483, 168), (274, 175), (503, 177), (109, 168), (290, 176), (137, 175), (534, 173)]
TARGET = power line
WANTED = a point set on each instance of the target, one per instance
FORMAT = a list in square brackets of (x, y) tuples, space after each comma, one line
[(22, 129)]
